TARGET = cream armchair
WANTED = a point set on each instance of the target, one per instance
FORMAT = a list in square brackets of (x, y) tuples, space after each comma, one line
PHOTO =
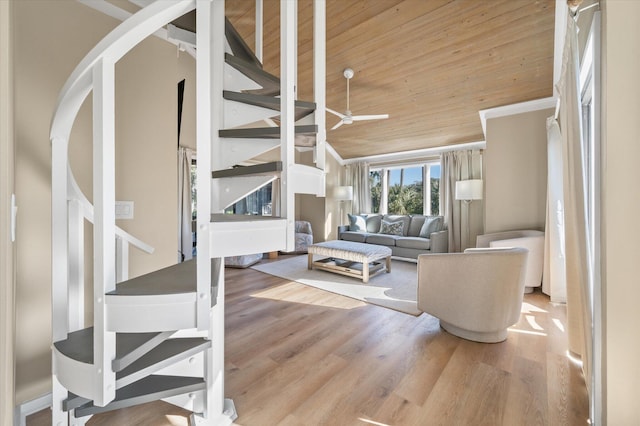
[(477, 294), (531, 240)]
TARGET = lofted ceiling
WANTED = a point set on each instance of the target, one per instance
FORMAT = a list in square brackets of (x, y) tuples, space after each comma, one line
[(430, 64)]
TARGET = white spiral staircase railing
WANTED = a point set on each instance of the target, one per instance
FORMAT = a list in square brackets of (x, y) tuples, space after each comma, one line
[(161, 336)]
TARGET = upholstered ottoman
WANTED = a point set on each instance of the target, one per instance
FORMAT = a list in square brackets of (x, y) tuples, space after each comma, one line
[(349, 258)]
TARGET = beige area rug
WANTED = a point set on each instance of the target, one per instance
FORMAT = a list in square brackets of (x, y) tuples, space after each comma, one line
[(397, 290)]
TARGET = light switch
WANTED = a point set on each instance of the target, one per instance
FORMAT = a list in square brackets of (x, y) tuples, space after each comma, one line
[(124, 209)]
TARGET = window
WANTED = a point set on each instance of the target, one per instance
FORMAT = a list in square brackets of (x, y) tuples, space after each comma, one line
[(256, 203), (402, 190)]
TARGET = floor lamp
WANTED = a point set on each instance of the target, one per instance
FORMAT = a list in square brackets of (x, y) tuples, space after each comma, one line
[(342, 194), (468, 191)]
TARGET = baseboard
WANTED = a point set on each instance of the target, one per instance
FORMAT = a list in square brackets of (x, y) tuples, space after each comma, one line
[(30, 407)]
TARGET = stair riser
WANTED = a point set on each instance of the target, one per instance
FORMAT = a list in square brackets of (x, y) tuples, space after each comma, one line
[(241, 238), (236, 81), (140, 314), (239, 114), (235, 151), (126, 360), (306, 180), (191, 366), (190, 363), (77, 377), (193, 401)]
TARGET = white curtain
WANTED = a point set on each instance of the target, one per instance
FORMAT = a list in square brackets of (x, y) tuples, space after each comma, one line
[(464, 220), (578, 294), (185, 239), (554, 282), (357, 176)]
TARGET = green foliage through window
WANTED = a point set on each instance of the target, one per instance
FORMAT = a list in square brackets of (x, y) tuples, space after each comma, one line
[(405, 190)]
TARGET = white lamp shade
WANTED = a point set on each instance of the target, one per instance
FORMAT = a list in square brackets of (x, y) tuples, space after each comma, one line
[(344, 193), (468, 190)]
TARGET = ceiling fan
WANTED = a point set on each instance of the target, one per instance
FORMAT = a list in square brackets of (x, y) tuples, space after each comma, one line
[(347, 117)]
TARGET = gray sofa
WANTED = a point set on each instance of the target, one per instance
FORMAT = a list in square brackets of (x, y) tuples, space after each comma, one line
[(406, 235)]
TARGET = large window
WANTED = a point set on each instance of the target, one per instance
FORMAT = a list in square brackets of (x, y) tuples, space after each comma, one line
[(402, 189)]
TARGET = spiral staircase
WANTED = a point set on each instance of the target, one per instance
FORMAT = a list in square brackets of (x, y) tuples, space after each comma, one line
[(161, 335)]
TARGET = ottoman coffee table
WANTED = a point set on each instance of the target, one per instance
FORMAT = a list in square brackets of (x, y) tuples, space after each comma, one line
[(349, 258)]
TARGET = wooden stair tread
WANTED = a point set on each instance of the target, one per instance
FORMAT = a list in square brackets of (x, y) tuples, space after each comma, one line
[(175, 279), (168, 352), (129, 346), (151, 388), (270, 84), (264, 168), (222, 217), (238, 46), (303, 108), (265, 132)]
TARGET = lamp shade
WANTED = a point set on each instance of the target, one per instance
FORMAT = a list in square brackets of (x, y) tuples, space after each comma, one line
[(468, 190), (344, 193)]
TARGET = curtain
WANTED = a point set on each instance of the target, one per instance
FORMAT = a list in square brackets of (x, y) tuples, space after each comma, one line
[(357, 176), (554, 281), (464, 220), (185, 239), (576, 251)]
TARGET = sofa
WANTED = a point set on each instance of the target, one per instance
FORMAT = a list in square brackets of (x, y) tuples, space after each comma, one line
[(408, 236)]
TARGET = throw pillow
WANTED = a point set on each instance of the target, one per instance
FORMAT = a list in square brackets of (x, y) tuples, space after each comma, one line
[(431, 224), (373, 223), (357, 223), (391, 228)]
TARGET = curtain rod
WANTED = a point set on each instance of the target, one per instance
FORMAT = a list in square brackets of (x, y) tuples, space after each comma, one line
[(577, 12)]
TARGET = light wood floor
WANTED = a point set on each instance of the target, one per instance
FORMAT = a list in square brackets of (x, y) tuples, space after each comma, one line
[(300, 356)]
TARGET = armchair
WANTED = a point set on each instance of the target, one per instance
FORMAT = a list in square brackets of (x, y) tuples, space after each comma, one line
[(477, 294), (531, 240), (303, 235)]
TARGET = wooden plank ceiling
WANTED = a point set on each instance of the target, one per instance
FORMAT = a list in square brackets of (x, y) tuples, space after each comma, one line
[(430, 64)]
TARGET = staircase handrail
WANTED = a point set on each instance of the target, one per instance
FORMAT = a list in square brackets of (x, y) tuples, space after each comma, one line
[(115, 45), (79, 84), (74, 192)]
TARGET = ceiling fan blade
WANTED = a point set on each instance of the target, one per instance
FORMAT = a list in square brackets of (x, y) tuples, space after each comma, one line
[(370, 117), (336, 113), (340, 123)]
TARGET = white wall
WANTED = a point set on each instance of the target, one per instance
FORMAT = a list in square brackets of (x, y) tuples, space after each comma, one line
[(7, 282), (621, 204), (322, 212), (50, 39), (515, 172)]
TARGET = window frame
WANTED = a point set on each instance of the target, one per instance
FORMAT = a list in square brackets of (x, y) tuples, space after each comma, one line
[(426, 183)]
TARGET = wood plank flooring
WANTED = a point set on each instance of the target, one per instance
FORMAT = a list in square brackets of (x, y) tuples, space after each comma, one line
[(296, 355)]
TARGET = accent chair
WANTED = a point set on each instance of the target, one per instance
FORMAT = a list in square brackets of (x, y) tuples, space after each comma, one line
[(477, 294)]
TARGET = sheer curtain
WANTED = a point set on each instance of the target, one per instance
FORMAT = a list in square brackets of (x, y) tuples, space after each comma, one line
[(185, 239), (554, 282), (460, 165), (357, 176), (578, 294)]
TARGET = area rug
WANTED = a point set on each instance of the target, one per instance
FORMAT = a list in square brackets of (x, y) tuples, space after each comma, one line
[(396, 290)]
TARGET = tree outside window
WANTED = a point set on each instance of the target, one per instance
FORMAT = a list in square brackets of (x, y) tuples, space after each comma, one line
[(405, 189)]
